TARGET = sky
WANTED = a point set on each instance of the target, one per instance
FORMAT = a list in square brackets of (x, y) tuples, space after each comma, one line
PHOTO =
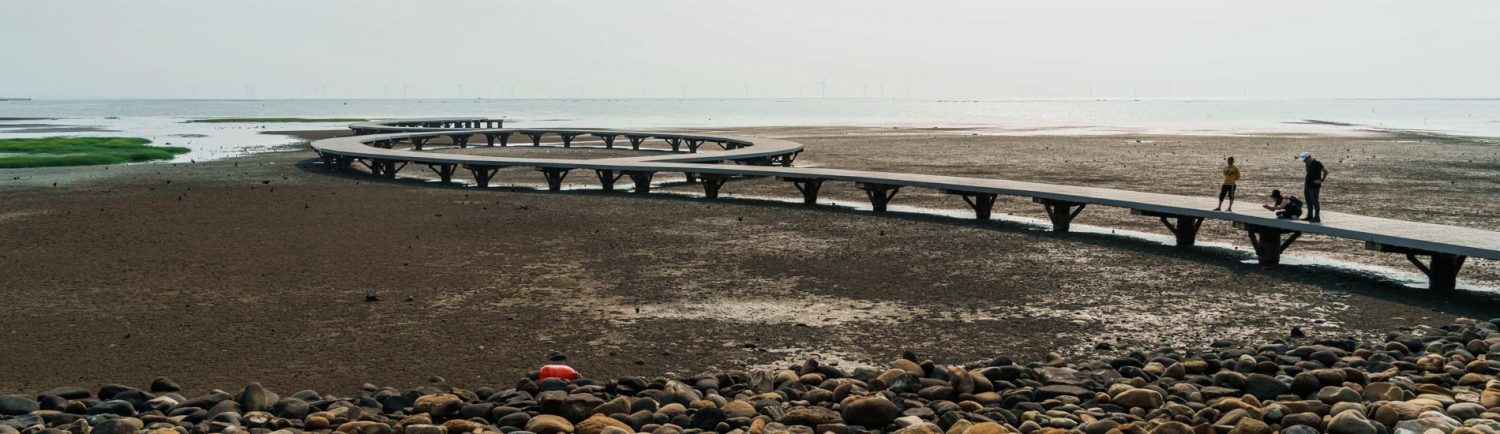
[(757, 49)]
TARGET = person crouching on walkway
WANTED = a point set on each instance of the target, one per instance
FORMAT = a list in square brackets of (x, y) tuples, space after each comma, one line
[(1285, 207), (1231, 175)]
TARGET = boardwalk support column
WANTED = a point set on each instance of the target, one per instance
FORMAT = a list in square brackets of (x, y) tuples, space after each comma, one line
[(1061, 212), (370, 164), (1267, 241), (462, 140), (607, 179), (642, 181), (555, 177), (635, 141), (380, 166), (982, 203), (482, 174), (417, 142), (1442, 273), (808, 187), (1186, 228), (567, 139), (675, 142), (444, 171), (712, 183), (328, 159), (609, 140), (536, 138), (693, 145), (880, 194), (785, 160), (504, 139)]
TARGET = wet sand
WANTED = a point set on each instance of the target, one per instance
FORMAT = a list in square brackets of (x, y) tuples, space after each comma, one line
[(255, 268)]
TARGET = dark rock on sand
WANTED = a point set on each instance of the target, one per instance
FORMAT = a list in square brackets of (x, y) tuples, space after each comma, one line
[(255, 397), (1264, 386), (114, 406), (108, 391), (516, 420), (69, 392), (11, 405), (290, 408), (164, 385), (706, 418), (870, 412), (49, 402), (207, 401), (1056, 390)]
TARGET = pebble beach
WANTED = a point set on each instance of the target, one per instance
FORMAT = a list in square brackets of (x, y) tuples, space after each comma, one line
[(1438, 380)]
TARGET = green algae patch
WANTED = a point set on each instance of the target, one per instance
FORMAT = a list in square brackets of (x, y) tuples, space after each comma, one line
[(81, 151), (270, 120)]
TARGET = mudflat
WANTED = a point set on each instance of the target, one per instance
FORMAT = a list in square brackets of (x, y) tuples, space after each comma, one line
[(256, 268)]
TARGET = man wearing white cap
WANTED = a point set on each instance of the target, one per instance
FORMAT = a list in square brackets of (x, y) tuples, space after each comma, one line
[(1312, 185)]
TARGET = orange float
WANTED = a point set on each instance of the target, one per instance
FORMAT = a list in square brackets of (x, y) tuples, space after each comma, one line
[(558, 371)]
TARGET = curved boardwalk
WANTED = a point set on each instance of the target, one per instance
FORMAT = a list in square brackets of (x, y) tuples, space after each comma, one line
[(387, 147)]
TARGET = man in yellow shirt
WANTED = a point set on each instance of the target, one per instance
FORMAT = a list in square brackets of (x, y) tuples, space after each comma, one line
[(1231, 175)]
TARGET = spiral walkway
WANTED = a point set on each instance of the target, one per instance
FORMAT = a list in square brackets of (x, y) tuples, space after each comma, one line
[(385, 147)]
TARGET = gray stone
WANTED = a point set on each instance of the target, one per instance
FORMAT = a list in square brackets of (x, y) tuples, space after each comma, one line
[(1299, 429), (291, 408), (69, 392), (114, 406), (164, 385), (1055, 390), (255, 397), (1331, 395), (1465, 410), (11, 405), (1265, 387)]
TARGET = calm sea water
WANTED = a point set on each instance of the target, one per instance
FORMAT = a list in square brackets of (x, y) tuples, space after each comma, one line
[(162, 120)]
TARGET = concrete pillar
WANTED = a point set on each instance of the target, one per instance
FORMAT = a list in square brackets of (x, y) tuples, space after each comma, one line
[(808, 187), (1060, 212), (607, 179), (880, 194), (1267, 241), (712, 183), (444, 171), (981, 203), (554, 177), (642, 181)]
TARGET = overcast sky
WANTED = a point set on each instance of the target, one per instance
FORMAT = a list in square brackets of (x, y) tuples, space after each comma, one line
[(614, 48)]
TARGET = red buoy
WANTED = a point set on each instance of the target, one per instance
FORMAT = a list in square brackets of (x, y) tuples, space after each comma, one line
[(558, 371)]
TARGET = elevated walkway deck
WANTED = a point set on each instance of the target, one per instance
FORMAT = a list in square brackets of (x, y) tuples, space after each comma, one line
[(1445, 247)]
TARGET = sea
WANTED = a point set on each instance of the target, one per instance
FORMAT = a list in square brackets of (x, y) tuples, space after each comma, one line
[(165, 122)]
